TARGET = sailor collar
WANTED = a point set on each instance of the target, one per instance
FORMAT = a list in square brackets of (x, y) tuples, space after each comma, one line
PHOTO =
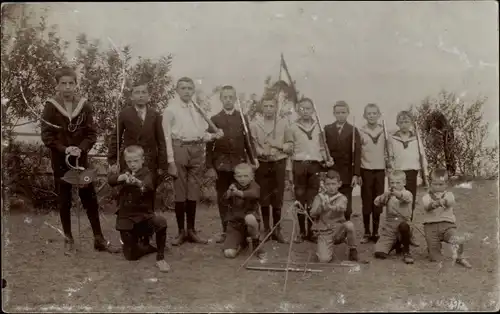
[(64, 112)]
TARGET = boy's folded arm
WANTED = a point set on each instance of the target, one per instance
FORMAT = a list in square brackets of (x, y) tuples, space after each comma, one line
[(406, 196), (147, 183), (379, 200), (427, 202), (253, 192), (316, 207), (341, 206), (113, 179), (450, 199)]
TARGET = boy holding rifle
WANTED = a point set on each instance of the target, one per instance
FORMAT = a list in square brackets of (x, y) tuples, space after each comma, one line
[(309, 151), (373, 144), (340, 136), (407, 151), (223, 154), (185, 127), (273, 148)]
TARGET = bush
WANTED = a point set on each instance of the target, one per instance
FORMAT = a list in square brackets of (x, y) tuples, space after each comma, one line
[(469, 132), (25, 166)]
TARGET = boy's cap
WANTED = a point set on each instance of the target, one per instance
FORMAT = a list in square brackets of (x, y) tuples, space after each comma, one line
[(340, 103)]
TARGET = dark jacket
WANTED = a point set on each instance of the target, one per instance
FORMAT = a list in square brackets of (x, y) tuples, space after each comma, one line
[(239, 207), (75, 130), (225, 153), (340, 147), (135, 205), (149, 135)]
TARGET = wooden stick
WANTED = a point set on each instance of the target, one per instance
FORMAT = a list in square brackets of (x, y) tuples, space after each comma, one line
[(353, 140), (285, 269), (261, 243), (205, 116), (331, 264), (289, 255)]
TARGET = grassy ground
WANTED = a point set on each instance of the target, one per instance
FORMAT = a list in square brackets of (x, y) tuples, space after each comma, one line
[(40, 277)]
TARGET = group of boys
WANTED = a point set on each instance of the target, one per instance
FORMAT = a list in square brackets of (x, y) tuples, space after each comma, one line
[(147, 146)]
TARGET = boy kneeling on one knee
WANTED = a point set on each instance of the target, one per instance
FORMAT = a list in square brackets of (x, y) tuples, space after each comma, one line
[(328, 211), (136, 217), (243, 216), (395, 229)]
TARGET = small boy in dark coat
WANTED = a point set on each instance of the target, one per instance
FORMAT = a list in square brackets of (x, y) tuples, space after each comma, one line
[(242, 201), (136, 217), (68, 129)]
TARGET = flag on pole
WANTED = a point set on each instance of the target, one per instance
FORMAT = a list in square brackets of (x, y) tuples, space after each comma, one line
[(284, 90)]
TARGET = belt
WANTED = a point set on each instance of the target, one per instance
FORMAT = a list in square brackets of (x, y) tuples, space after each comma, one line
[(182, 142), (307, 161), (268, 159)]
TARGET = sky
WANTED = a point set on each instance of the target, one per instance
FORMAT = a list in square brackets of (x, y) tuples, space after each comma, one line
[(392, 53)]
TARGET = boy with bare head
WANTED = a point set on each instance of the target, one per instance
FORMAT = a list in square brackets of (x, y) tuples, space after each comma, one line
[(185, 128), (439, 219), (273, 146), (328, 209), (242, 199), (395, 228), (373, 165), (308, 155), (339, 138), (72, 132), (225, 152), (136, 218)]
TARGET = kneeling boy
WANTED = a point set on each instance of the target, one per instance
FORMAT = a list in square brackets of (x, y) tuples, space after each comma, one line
[(136, 217), (439, 219), (243, 216), (395, 228), (328, 210)]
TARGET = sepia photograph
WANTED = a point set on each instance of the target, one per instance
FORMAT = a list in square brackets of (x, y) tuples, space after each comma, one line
[(323, 156)]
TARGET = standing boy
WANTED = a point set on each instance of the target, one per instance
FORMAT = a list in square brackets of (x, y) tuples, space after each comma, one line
[(185, 127), (226, 152), (395, 228), (75, 136), (372, 172), (242, 201), (339, 140), (273, 149), (140, 124), (405, 151), (136, 215), (308, 154)]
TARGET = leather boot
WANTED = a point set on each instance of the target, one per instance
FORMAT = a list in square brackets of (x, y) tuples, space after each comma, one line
[(260, 253), (100, 244), (69, 246), (194, 238), (221, 238), (145, 246), (180, 239), (267, 229)]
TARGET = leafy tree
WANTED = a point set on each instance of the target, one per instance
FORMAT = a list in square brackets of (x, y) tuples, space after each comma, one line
[(30, 53), (107, 77)]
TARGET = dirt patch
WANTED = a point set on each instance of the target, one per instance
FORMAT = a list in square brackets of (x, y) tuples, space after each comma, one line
[(39, 277)]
